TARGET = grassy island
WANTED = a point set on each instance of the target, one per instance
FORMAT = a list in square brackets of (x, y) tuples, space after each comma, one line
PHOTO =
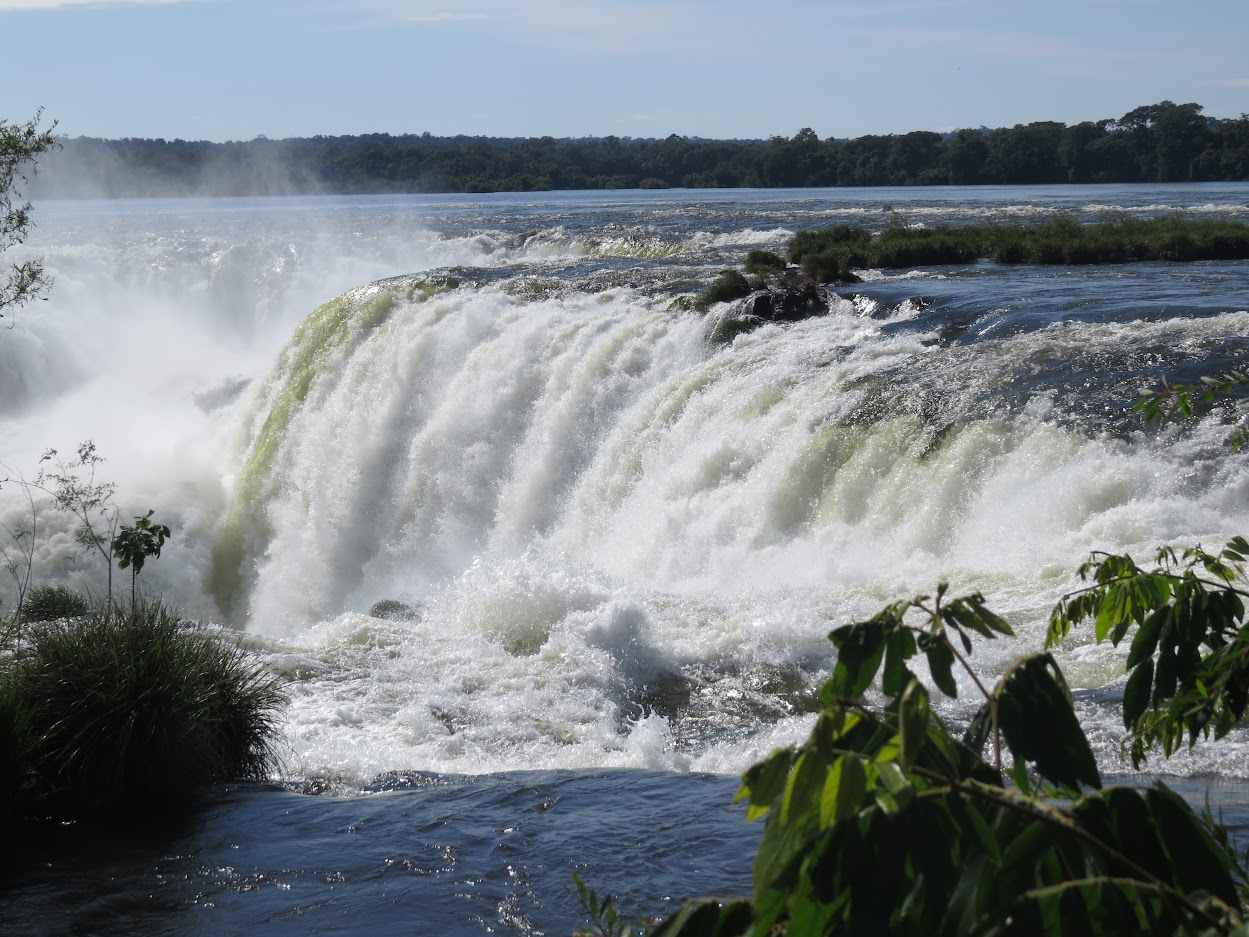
[(830, 254)]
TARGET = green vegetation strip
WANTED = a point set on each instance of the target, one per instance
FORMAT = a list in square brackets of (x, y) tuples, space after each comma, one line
[(1163, 142), (831, 253)]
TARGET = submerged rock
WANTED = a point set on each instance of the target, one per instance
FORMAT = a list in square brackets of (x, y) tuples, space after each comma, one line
[(394, 610)]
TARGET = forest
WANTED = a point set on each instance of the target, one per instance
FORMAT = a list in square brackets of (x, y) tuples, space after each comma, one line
[(1162, 142)]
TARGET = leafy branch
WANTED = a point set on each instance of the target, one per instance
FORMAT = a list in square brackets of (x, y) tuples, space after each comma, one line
[(1188, 662), (886, 821), (1159, 405)]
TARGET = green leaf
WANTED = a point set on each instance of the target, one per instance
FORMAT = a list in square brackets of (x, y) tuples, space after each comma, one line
[(1166, 677), (1136, 695), (1198, 861), (962, 616), (1034, 695), (941, 663), (913, 717), (763, 783), (845, 789), (1146, 639), (709, 918), (859, 651), (899, 648), (978, 729), (803, 786)]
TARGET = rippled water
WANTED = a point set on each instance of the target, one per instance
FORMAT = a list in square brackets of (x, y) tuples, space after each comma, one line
[(622, 547)]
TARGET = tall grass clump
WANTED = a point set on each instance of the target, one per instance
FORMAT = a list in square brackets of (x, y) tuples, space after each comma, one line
[(136, 706)]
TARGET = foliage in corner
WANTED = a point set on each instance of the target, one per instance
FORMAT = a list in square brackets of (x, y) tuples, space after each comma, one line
[(1188, 661), (888, 821), (20, 145), (602, 912)]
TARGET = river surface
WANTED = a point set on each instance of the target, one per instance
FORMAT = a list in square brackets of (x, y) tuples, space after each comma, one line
[(613, 551)]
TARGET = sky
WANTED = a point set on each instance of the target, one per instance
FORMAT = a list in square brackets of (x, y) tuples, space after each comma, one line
[(236, 69)]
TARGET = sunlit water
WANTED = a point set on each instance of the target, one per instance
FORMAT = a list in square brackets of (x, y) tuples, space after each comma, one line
[(624, 548)]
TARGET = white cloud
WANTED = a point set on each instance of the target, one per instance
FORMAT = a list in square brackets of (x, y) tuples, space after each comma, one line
[(8, 6)]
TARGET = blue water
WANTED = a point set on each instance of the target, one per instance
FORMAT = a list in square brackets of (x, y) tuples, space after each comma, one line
[(432, 855)]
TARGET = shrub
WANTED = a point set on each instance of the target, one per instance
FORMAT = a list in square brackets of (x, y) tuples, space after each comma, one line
[(833, 265), (818, 242), (910, 247), (729, 327), (728, 286), (763, 263), (50, 603), (136, 705)]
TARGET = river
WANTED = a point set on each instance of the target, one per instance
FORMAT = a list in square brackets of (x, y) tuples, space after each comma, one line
[(615, 550)]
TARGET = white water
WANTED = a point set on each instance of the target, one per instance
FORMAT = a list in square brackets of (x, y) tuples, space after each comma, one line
[(583, 499)]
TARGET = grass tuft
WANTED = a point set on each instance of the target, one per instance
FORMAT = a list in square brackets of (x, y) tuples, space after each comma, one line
[(136, 705)]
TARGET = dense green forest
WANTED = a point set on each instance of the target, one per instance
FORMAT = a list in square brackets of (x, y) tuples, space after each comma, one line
[(1162, 142)]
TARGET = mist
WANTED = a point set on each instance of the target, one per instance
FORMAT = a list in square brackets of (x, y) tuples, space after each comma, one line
[(91, 168)]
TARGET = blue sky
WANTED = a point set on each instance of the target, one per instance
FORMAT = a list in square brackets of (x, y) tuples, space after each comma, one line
[(234, 69)]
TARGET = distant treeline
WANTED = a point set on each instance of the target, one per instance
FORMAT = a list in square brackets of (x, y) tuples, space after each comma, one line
[(1163, 142)]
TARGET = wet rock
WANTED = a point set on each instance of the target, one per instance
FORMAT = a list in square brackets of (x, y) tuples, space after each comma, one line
[(393, 610), (796, 297), (727, 327)]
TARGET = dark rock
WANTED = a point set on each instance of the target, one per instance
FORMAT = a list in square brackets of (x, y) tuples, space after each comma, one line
[(392, 610), (797, 297)]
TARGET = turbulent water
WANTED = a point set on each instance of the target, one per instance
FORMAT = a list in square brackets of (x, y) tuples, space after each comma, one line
[(617, 549)]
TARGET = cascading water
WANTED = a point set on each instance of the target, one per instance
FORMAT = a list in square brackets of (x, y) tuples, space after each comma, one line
[(605, 542), (613, 531)]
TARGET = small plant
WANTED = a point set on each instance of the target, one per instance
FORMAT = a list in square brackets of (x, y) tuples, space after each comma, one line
[(728, 286), (14, 746), (134, 544), (1175, 401), (19, 559), (763, 263), (138, 706), (828, 254), (1188, 664)]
